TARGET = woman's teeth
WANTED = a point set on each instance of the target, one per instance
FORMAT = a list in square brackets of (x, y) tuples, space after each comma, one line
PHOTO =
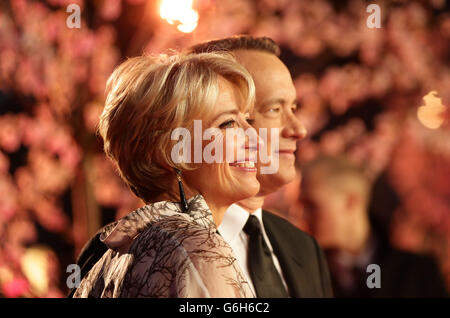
[(247, 164)]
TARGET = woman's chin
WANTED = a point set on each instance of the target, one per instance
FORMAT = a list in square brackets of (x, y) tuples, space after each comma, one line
[(247, 190), (241, 183)]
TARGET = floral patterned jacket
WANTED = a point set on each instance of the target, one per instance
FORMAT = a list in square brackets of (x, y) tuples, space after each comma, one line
[(158, 251)]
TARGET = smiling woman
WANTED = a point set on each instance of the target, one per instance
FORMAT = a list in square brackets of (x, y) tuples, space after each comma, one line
[(149, 97)]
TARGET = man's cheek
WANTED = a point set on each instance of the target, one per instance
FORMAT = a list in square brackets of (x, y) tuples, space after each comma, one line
[(270, 153)]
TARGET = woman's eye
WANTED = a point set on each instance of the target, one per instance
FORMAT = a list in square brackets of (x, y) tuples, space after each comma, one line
[(228, 124), (274, 110)]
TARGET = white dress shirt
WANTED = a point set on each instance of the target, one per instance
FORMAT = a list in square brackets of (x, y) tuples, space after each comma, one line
[(232, 230)]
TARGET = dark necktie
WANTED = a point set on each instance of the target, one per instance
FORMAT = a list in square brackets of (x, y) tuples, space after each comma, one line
[(265, 277)]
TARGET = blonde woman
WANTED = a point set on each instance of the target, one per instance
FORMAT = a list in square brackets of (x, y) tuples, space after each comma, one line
[(171, 247)]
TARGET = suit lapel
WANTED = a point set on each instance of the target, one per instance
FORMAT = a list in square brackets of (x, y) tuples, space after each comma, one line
[(290, 259)]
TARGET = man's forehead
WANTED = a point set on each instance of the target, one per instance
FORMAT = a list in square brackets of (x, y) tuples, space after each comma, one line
[(253, 59), (272, 78)]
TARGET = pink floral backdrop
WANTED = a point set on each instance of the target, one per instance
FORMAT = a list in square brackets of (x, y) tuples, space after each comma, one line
[(359, 88)]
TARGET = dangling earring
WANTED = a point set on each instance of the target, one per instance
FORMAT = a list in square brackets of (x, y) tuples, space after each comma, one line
[(183, 202)]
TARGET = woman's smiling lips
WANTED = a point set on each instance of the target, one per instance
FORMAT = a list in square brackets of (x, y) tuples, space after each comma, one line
[(247, 165)]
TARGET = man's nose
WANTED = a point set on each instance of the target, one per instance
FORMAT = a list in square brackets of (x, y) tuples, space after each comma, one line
[(293, 128)]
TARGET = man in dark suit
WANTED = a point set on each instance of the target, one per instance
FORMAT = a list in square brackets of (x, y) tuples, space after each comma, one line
[(278, 259), (350, 219)]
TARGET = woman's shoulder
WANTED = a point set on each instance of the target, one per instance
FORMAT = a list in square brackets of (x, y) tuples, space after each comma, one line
[(181, 234), (167, 225), (163, 218)]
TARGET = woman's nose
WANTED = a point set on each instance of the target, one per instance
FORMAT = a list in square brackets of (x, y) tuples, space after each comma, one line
[(252, 139)]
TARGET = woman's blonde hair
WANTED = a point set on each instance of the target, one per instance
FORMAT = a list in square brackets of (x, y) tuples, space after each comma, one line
[(148, 97)]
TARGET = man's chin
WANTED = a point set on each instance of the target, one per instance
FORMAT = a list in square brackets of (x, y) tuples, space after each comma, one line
[(285, 175), (272, 182)]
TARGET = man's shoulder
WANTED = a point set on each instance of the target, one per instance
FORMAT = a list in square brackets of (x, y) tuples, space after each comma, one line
[(279, 221), (280, 225)]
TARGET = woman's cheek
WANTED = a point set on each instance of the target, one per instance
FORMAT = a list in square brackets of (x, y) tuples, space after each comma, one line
[(228, 147), (213, 149)]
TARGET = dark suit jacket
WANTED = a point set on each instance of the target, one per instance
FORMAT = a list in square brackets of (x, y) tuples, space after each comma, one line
[(301, 259)]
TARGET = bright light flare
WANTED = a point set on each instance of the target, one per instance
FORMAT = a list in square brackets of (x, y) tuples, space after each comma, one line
[(34, 264), (179, 12), (431, 115)]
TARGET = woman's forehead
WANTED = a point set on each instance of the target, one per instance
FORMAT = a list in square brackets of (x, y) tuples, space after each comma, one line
[(231, 96)]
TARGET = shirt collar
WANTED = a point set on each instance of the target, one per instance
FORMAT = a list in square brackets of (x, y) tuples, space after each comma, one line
[(234, 220)]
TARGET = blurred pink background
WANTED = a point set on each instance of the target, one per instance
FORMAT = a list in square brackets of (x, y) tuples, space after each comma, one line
[(360, 92)]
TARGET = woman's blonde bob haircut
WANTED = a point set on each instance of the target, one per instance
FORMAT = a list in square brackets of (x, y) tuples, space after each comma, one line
[(148, 97)]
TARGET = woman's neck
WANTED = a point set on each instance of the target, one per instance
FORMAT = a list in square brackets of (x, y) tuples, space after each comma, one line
[(217, 210), (173, 193)]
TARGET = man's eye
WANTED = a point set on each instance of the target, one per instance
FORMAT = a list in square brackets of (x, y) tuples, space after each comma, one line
[(250, 121), (228, 124)]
